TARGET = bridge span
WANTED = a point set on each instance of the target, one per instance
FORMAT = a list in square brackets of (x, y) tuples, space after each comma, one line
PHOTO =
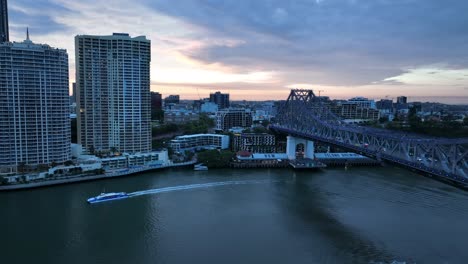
[(307, 116)]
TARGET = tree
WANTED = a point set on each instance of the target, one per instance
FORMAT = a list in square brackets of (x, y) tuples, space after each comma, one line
[(21, 167), (92, 150), (260, 130), (383, 119), (188, 155), (412, 112), (465, 121), (3, 180), (158, 143), (113, 149), (157, 114), (43, 167), (215, 158), (22, 179), (206, 120), (170, 151), (164, 129)]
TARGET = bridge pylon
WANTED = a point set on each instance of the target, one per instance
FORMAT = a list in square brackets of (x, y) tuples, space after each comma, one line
[(291, 147)]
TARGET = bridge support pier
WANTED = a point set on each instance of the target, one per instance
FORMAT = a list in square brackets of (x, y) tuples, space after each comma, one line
[(291, 146)]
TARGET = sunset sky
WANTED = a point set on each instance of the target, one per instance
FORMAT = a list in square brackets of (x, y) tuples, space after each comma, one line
[(259, 49)]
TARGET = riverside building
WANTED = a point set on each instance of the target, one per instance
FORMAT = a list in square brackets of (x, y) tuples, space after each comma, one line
[(34, 106), (255, 143), (113, 87), (231, 117), (199, 142)]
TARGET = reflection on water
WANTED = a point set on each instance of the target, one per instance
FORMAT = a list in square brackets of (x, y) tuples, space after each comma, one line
[(362, 215)]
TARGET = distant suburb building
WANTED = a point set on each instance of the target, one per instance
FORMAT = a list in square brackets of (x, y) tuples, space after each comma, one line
[(172, 99), (229, 118), (363, 102), (222, 100), (180, 117), (354, 113), (402, 100), (209, 107), (113, 86), (156, 101), (199, 142), (34, 106)]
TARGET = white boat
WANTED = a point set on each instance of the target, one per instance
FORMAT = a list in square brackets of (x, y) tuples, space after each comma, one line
[(200, 167), (104, 197)]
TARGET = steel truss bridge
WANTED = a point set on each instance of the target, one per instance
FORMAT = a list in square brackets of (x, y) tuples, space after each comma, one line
[(307, 116)]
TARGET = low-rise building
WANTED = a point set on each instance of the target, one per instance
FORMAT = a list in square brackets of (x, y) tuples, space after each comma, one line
[(363, 102), (180, 117), (92, 164), (156, 101), (261, 115), (199, 142), (353, 111), (254, 142), (385, 105), (172, 99), (245, 159), (57, 171), (123, 160), (209, 107), (228, 118), (155, 158)]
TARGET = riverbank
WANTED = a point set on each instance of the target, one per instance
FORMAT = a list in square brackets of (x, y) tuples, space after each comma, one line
[(80, 178)]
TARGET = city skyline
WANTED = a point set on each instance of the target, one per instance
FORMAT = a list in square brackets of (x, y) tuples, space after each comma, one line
[(261, 50)]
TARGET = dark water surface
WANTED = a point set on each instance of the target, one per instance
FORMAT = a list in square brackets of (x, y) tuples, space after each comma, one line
[(363, 215)]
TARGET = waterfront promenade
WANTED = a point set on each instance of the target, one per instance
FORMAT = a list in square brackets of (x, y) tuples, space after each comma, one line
[(79, 178)]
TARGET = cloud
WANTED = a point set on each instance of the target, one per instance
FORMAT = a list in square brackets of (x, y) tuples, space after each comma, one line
[(329, 43), (430, 76), (353, 42), (38, 15)]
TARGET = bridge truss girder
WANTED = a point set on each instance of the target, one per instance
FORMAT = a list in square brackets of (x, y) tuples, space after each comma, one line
[(306, 115)]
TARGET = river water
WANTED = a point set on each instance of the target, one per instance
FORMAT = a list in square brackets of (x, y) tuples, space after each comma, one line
[(360, 215)]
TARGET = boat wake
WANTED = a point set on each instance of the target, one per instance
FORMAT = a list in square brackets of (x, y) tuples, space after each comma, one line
[(195, 186)]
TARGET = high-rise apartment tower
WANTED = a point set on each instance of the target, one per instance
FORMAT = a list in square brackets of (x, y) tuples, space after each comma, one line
[(34, 106), (113, 89)]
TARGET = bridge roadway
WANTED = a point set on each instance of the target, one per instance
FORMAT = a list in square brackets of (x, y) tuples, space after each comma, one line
[(306, 116)]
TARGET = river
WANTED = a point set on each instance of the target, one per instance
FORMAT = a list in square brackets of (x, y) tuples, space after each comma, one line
[(359, 215)]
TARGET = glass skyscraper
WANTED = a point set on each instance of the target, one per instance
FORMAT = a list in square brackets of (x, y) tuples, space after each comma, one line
[(113, 89), (34, 106)]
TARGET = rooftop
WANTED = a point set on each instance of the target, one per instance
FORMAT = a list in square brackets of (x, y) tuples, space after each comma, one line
[(124, 36)]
